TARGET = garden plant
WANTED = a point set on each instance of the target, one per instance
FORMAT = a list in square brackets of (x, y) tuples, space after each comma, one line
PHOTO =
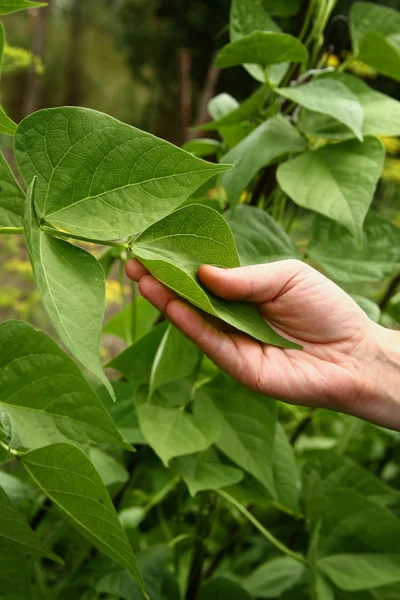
[(160, 477)]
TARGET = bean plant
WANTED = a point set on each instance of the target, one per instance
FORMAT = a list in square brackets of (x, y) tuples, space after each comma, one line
[(156, 475)]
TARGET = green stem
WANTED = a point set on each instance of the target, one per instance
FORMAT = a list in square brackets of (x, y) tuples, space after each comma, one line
[(10, 450), (134, 296), (66, 236), (267, 534), (162, 493), (127, 324), (6, 230)]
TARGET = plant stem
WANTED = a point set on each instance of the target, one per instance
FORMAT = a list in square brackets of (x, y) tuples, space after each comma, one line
[(391, 290), (162, 493), (66, 236), (267, 534), (302, 426), (10, 450), (127, 324), (7, 230), (134, 296)]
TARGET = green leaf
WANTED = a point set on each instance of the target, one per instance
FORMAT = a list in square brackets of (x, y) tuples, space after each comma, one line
[(16, 534), (7, 125), (18, 491), (238, 113), (345, 260), (375, 36), (135, 363), (112, 472), (263, 146), (123, 411), (71, 283), (381, 113), (285, 471), (259, 238), (262, 48), (45, 395), (151, 563), (100, 178), (281, 8), (329, 97), (324, 181), (15, 576), (370, 307), (120, 323), (172, 432), (177, 358), (222, 105), (202, 147), (354, 572), (247, 422), (12, 198), (221, 588), (319, 587), (174, 248), (70, 481), (274, 577), (202, 473), (9, 6), (246, 17)]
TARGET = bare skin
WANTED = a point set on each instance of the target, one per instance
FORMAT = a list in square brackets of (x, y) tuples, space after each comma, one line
[(348, 363)]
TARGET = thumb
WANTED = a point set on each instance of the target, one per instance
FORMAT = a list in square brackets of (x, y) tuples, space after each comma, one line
[(258, 283)]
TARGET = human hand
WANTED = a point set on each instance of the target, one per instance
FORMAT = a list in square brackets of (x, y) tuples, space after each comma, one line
[(340, 366)]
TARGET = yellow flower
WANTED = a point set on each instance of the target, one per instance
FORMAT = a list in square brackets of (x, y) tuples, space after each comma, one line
[(331, 60), (392, 144), (391, 171)]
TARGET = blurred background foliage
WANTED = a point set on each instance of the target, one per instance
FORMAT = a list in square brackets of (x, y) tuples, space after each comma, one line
[(148, 63)]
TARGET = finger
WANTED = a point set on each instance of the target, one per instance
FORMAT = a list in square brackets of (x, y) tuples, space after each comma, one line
[(135, 270), (258, 283), (155, 292), (216, 344)]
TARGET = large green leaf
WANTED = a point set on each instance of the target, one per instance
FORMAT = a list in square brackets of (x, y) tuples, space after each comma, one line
[(16, 534), (381, 113), (177, 358), (247, 16), (123, 411), (259, 238), (222, 588), (354, 572), (71, 283), (274, 577), (329, 97), (135, 363), (324, 181), (100, 178), (9, 6), (281, 8), (45, 395), (174, 248), (70, 481), (171, 431), (15, 576), (12, 198), (262, 48), (247, 422), (205, 472), (7, 125), (270, 140), (375, 36), (337, 251), (285, 471)]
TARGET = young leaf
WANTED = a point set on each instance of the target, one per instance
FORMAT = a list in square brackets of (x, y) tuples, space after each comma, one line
[(221, 588), (274, 577), (174, 248), (12, 198), (262, 48), (71, 482), (375, 36), (71, 283), (170, 431), (176, 359), (259, 238), (15, 575), (16, 534), (100, 178), (7, 125), (54, 403), (247, 422), (249, 109), (202, 473), (329, 97), (136, 362), (343, 259), (381, 113), (263, 146), (246, 17), (354, 572), (9, 6), (202, 147), (322, 181)]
